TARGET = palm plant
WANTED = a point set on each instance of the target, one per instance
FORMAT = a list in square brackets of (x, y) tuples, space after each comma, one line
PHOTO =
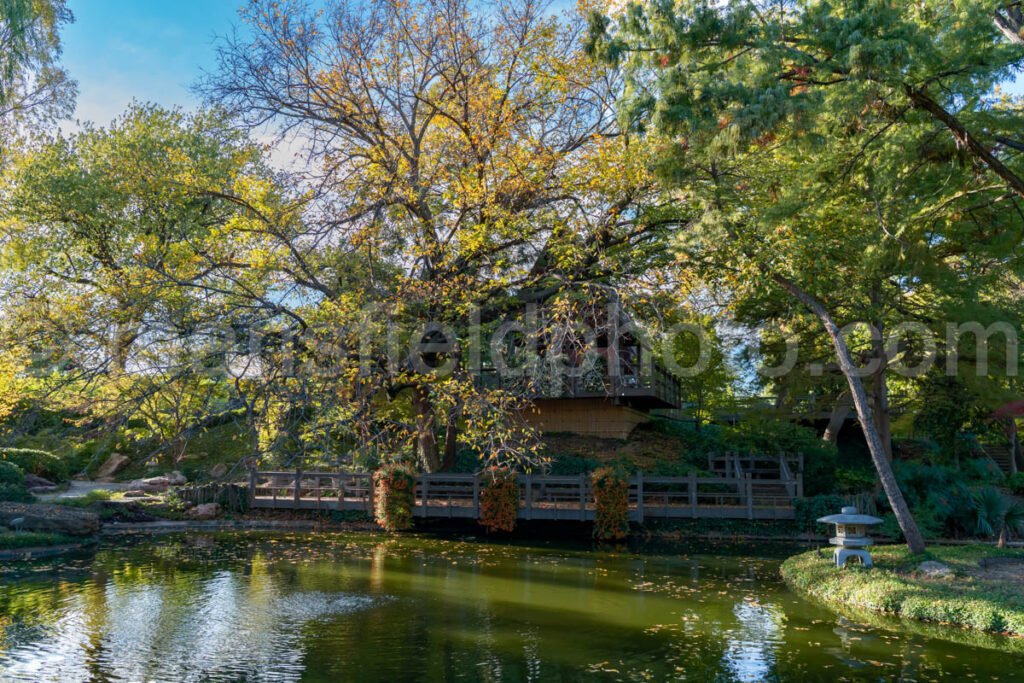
[(997, 515)]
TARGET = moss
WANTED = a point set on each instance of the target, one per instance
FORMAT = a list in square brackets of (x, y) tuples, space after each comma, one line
[(892, 587)]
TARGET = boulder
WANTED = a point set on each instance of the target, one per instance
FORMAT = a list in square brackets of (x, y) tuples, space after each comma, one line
[(204, 511), (32, 482), (218, 470), (41, 490), (56, 519), (135, 494), (159, 484), (151, 484), (114, 464), (930, 569)]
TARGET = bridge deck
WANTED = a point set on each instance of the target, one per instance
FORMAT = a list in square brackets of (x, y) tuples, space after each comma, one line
[(540, 497)]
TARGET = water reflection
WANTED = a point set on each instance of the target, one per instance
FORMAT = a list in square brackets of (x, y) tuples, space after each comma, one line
[(363, 608), (750, 648)]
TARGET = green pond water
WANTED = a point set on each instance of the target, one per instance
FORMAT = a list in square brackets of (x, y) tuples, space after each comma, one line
[(363, 607)]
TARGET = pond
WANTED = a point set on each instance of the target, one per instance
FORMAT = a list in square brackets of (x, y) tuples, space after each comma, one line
[(364, 607)]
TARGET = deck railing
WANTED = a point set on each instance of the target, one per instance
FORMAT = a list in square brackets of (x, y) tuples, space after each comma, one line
[(541, 497)]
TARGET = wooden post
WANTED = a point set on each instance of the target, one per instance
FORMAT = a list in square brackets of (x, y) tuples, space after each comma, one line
[(252, 486), (640, 497), (476, 496), (692, 494), (297, 493), (583, 497), (528, 497), (424, 492), (749, 495)]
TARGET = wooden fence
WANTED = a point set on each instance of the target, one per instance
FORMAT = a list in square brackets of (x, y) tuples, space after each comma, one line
[(541, 497)]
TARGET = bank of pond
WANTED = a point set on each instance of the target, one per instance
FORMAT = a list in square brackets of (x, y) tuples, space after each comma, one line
[(419, 607)]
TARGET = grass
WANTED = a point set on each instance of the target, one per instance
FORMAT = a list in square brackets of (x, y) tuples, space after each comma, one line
[(965, 600), (29, 539), (97, 496)]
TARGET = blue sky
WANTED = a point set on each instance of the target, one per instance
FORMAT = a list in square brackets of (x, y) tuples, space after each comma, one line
[(149, 50)]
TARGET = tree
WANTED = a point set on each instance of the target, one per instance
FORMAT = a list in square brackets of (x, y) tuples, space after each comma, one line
[(104, 233), (32, 84), (457, 159), (812, 140)]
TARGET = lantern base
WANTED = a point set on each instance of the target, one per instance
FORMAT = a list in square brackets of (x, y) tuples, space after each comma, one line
[(841, 555)]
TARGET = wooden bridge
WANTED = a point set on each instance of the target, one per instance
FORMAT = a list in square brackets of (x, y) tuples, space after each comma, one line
[(743, 490)]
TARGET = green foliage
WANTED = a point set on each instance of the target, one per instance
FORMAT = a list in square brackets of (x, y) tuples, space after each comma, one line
[(39, 463), (568, 465), (15, 494), (944, 412), (11, 474), (995, 513), (809, 510), (891, 587), (32, 84), (1016, 483), (855, 480), (88, 500), (33, 539)]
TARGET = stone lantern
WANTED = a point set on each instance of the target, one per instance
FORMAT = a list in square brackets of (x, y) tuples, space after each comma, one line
[(851, 539)]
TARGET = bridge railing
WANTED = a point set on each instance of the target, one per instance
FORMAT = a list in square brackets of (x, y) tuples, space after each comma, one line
[(540, 496)]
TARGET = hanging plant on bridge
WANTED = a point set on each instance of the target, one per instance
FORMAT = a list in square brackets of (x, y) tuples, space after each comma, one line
[(610, 489), (499, 499), (394, 496)]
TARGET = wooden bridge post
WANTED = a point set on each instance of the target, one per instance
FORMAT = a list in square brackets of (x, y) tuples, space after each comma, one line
[(252, 486), (749, 495), (583, 497), (640, 497), (692, 494), (476, 495), (528, 497), (424, 492), (297, 493)]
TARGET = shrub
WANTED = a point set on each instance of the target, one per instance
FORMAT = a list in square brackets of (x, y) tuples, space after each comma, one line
[(499, 499), (611, 504), (808, 510), (11, 474), (1016, 483), (393, 497), (39, 463), (855, 480), (568, 465), (10, 493)]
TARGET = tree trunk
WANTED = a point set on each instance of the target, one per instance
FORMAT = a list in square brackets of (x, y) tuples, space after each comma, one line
[(838, 417), (915, 542), (1010, 20), (451, 442), (426, 437), (1004, 534), (880, 396)]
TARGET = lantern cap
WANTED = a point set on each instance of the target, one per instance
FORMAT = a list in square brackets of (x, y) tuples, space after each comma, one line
[(849, 515)]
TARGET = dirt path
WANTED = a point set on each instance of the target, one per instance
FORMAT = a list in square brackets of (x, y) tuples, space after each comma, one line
[(80, 488)]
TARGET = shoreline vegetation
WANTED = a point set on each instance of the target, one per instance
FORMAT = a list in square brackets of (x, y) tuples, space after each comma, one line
[(982, 591)]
